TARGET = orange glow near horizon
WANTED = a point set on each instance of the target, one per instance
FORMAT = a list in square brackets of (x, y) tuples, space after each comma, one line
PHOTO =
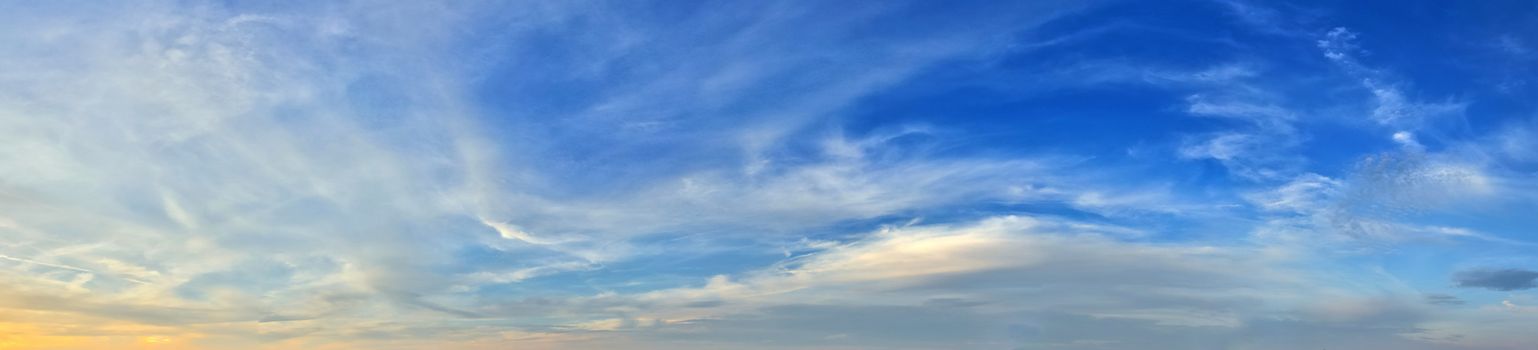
[(27, 336)]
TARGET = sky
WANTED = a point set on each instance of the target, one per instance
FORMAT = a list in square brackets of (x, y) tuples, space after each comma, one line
[(1189, 174)]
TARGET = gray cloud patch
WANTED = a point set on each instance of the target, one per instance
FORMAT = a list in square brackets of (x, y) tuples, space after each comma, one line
[(1443, 299), (1507, 279)]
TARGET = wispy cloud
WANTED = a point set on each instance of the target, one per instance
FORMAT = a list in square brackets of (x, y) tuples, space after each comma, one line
[(1391, 107)]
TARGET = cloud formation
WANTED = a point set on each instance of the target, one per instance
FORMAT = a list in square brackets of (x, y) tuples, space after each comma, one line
[(1498, 279)]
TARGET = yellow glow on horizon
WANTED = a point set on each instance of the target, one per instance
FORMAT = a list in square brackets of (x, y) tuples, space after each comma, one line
[(154, 339), (23, 337), (45, 336)]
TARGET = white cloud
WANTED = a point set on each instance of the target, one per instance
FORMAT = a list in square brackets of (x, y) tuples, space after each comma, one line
[(1264, 114), (1307, 193), (1254, 156), (1390, 106), (1407, 140), (977, 283)]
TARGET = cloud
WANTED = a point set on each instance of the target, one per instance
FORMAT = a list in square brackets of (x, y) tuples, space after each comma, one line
[(1377, 204), (1498, 279), (1246, 155), (1517, 142), (1390, 105), (1258, 143), (1256, 150), (1407, 140), (1396, 183), (1012, 281), (1265, 114), (203, 167), (1307, 193), (1264, 19), (1443, 299)]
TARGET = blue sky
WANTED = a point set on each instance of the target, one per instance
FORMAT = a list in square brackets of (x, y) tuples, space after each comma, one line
[(1212, 174)]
